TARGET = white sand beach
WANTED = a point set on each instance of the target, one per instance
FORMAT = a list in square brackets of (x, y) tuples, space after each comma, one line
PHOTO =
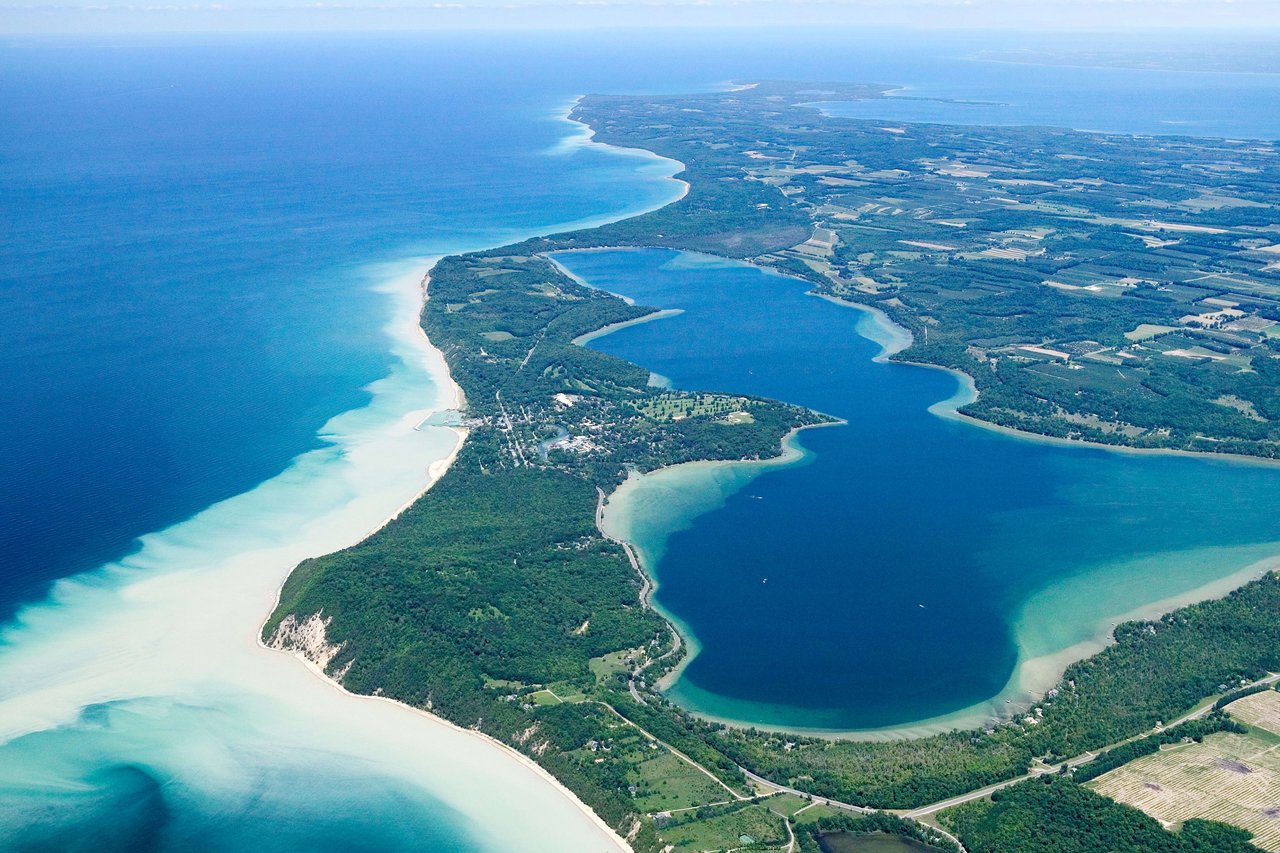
[(174, 627)]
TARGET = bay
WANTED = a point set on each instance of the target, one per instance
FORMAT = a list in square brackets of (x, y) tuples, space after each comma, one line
[(906, 570)]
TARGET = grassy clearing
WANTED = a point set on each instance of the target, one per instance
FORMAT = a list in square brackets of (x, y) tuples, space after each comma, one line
[(666, 783), (567, 691), (785, 804), (605, 667), (744, 827), (813, 814), (665, 407)]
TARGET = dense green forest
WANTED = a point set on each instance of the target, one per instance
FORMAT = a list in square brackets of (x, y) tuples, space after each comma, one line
[(1055, 815), (496, 602)]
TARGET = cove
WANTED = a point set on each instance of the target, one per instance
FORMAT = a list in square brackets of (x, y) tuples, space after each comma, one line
[(905, 571)]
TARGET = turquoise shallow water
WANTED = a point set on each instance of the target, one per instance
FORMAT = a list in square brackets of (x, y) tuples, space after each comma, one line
[(204, 242), (149, 800), (908, 567)]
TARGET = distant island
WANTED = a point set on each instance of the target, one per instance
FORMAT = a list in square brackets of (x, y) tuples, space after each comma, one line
[(1112, 289)]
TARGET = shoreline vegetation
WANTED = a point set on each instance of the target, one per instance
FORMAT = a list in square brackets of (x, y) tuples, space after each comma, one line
[(497, 601), (309, 660)]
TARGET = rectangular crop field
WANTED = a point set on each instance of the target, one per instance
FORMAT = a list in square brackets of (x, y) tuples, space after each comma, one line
[(1230, 778)]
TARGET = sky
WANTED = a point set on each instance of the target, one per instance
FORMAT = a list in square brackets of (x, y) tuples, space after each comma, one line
[(18, 16)]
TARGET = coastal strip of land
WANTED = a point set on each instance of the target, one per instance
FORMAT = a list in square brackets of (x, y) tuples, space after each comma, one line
[(155, 661), (313, 650)]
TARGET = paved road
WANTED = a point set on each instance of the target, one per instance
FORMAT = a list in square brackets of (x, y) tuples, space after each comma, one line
[(774, 786), (1193, 714)]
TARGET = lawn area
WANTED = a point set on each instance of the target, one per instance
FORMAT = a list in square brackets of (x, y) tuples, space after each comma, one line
[(607, 666), (544, 697), (752, 824), (815, 813), (666, 782), (785, 804), (567, 691)]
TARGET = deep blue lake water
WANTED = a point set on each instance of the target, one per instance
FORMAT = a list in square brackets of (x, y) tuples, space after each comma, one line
[(883, 582), (190, 231)]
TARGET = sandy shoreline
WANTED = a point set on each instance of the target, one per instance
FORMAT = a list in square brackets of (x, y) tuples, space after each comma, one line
[(587, 136), (453, 398), (509, 751), (582, 340), (435, 471), (438, 369), (1034, 676), (617, 504)]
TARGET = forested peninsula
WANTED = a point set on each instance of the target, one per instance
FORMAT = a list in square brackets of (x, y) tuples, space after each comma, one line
[(496, 602)]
